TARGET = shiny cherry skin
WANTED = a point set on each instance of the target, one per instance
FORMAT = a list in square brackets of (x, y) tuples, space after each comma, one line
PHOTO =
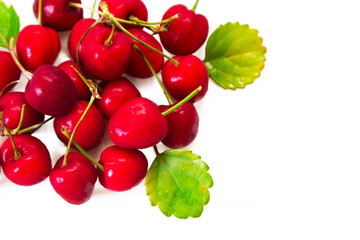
[(187, 33), (76, 34), (114, 94), (36, 46), (123, 168), (138, 123), (57, 14), (104, 62), (32, 167), (82, 90), (183, 124), (75, 182), (11, 104), (9, 72), (180, 81), (91, 130), (124, 8), (51, 91), (137, 66)]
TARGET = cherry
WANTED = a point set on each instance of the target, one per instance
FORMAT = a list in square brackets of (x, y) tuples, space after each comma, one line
[(75, 182), (123, 9), (11, 107), (82, 89), (187, 33), (36, 46), (180, 81), (76, 34), (102, 59), (114, 94), (137, 66), (138, 123), (91, 130), (9, 72), (57, 14), (123, 168), (34, 164), (51, 91), (183, 124)]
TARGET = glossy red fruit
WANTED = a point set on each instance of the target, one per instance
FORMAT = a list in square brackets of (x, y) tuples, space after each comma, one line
[(137, 66), (91, 130), (103, 61), (183, 125), (36, 46), (32, 167), (124, 8), (9, 72), (114, 94), (123, 168), (75, 182), (180, 81), (76, 34), (138, 123), (82, 90), (57, 14), (11, 104), (51, 91), (187, 33)]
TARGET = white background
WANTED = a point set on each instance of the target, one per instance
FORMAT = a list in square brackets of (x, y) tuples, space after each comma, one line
[(283, 152)]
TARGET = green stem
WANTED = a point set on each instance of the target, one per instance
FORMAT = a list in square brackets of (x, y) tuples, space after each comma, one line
[(186, 99), (108, 41), (17, 155), (25, 130), (27, 74), (154, 73), (81, 76), (8, 85), (135, 19), (92, 99), (40, 12), (195, 5), (64, 131), (92, 10), (17, 129)]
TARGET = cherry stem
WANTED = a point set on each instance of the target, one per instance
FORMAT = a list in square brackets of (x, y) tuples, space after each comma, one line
[(28, 129), (40, 12), (195, 5), (17, 155), (8, 85), (179, 104), (108, 41), (145, 24), (27, 74), (92, 99), (93, 87), (93, 8), (156, 151), (17, 129), (65, 132), (154, 73)]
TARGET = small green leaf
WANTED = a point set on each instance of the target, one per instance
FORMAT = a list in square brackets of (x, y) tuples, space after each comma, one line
[(234, 55), (178, 183), (9, 24)]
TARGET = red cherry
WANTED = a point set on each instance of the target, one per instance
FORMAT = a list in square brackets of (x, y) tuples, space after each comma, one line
[(75, 182), (82, 89), (183, 125), (180, 81), (138, 123), (57, 14), (11, 105), (104, 62), (187, 33), (124, 8), (91, 130), (32, 167), (123, 168), (76, 34), (114, 94), (9, 72), (36, 46), (51, 91), (137, 66)]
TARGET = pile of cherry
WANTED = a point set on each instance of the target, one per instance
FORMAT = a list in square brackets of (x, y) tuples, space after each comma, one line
[(81, 93)]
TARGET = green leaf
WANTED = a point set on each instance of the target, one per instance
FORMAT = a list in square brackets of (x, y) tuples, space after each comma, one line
[(178, 183), (9, 24), (234, 55)]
